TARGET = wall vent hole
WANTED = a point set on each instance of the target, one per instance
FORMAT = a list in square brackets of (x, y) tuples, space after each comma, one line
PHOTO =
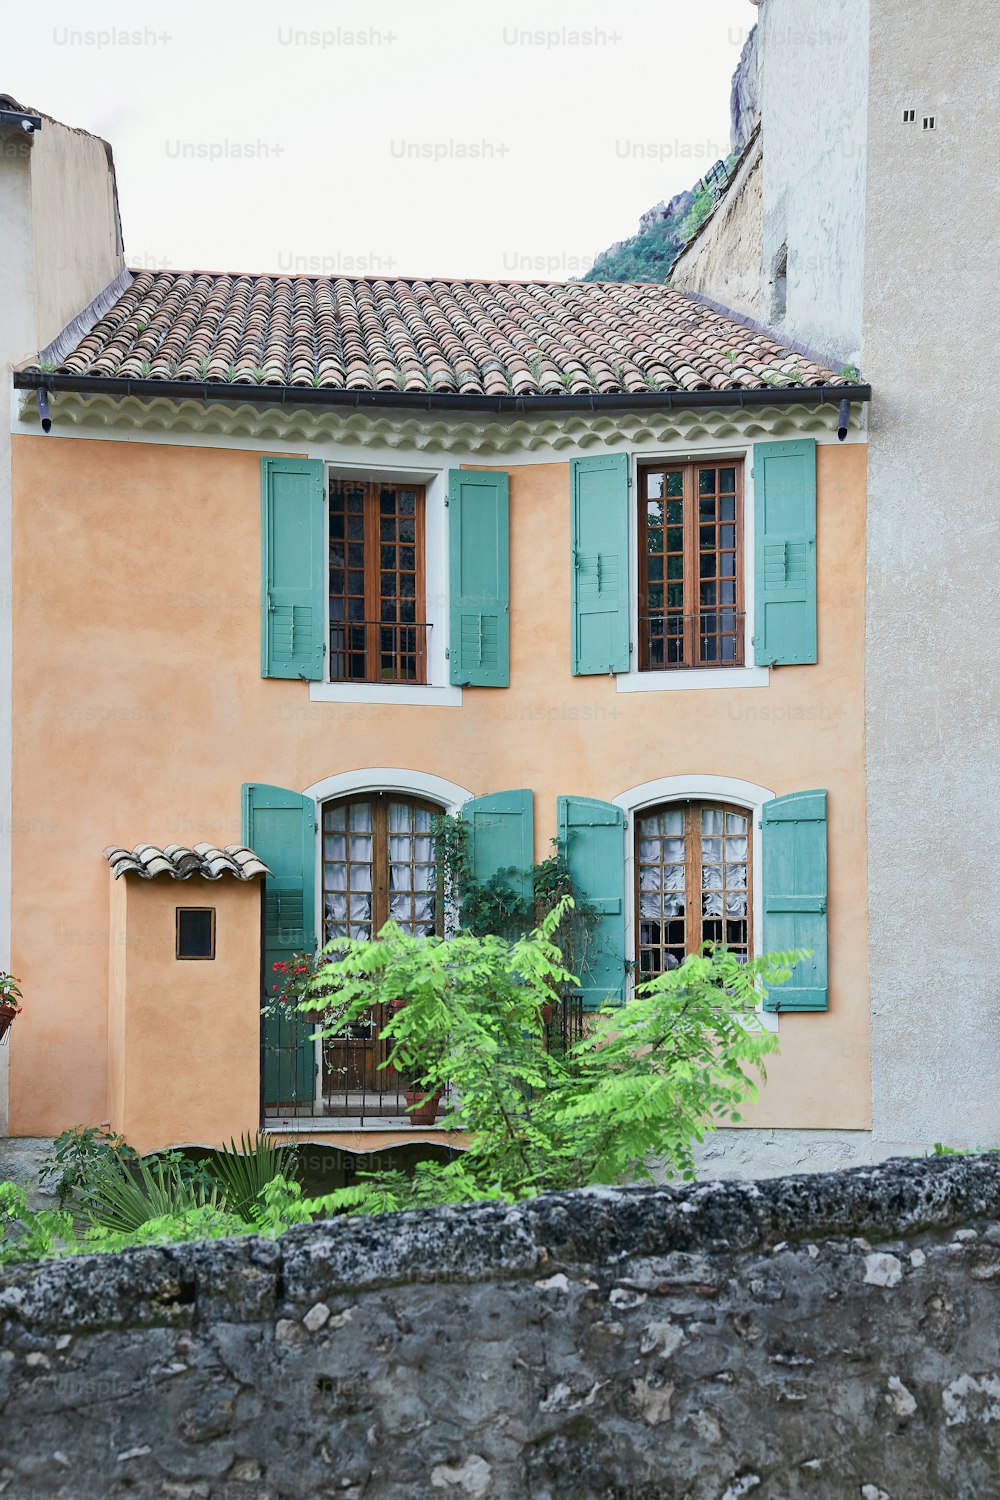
[(909, 115), (928, 122)]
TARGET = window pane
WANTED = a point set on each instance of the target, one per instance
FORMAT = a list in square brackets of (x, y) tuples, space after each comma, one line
[(654, 486), (361, 816), (675, 486)]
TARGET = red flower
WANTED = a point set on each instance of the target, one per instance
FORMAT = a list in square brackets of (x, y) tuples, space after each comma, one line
[(279, 968)]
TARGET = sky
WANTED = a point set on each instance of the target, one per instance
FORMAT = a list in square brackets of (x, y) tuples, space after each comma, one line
[(387, 139)]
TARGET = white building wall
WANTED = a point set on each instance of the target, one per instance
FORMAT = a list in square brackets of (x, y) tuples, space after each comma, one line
[(933, 623), (814, 85)]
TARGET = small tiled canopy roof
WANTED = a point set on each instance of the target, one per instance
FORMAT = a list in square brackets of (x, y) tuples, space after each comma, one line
[(441, 338), (180, 862)]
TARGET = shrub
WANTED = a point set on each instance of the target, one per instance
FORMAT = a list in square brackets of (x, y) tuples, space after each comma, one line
[(649, 1077), (111, 1198)]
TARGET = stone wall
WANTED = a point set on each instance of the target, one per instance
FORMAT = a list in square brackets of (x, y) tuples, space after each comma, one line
[(806, 1337)]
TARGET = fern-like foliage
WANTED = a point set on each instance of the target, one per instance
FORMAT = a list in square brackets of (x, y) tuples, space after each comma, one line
[(647, 1080)]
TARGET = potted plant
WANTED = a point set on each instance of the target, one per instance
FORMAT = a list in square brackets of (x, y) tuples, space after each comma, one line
[(422, 1104), (10, 1002)]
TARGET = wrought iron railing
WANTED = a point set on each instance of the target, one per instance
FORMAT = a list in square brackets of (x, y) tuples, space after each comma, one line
[(347, 1077), (378, 651), (711, 638)]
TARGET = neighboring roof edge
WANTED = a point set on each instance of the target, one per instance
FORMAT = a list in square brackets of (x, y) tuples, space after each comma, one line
[(794, 345), (295, 395), (67, 339), (181, 862)]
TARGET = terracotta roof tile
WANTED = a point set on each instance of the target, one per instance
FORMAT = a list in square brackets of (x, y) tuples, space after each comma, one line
[(175, 859), (457, 337)]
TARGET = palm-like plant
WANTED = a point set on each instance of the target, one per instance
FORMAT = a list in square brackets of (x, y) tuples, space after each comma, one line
[(125, 1191), (243, 1171), (126, 1194)]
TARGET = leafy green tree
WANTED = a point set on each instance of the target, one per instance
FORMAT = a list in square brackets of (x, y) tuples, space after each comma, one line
[(648, 1078)]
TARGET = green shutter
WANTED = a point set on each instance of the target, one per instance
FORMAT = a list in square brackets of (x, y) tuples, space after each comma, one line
[(501, 828), (280, 826), (784, 490), (292, 568), (599, 534), (592, 835), (479, 578), (794, 833)]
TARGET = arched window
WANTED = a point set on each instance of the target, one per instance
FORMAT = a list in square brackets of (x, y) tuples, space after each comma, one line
[(378, 865), (693, 882)]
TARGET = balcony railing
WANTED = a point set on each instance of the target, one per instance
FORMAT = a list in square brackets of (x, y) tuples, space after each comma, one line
[(347, 1082), (711, 638), (378, 651)]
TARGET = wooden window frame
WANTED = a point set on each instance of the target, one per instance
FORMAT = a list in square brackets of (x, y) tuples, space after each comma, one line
[(192, 957), (380, 802), (372, 579), (693, 916), (691, 607)]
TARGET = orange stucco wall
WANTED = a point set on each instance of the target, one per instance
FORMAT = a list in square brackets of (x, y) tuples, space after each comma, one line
[(139, 710), (184, 1035)]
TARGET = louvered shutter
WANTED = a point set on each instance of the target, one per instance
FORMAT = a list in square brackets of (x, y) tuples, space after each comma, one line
[(501, 835), (784, 486), (280, 826), (794, 871), (592, 835), (292, 568), (479, 578), (599, 536)]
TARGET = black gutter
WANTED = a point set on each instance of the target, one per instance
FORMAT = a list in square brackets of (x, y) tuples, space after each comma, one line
[(296, 395), (20, 119)]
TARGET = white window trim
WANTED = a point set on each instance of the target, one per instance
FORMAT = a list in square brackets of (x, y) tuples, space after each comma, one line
[(698, 789), (437, 691), (451, 796), (713, 678), (448, 794)]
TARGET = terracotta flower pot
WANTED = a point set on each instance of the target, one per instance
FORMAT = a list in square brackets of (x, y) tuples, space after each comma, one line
[(426, 1103), (7, 1014)]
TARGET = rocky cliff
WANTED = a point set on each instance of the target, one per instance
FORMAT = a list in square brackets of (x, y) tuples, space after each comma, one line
[(665, 228)]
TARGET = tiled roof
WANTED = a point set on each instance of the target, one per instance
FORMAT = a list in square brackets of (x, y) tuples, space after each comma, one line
[(444, 338), (180, 862)]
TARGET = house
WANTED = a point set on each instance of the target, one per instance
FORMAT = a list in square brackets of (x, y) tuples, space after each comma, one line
[(298, 563), (862, 220)]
